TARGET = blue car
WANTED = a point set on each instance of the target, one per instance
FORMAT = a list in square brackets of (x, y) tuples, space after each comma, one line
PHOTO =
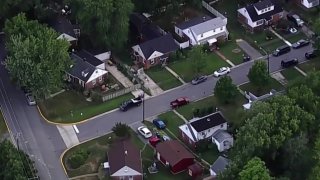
[(159, 123)]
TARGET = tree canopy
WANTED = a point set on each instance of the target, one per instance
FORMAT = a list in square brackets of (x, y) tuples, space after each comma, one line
[(197, 58), (255, 169), (37, 60), (225, 90), (259, 75)]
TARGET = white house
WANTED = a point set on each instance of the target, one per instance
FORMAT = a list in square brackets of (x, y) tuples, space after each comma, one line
[(202, 128), (201, 30), (260, 14), (310, 3), (223, 140)]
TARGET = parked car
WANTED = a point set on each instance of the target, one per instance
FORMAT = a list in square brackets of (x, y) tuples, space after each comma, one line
[(154, 140), (30, 99), (295, 19), (310, 54), (292, 30), (246, 58), (159, 123), (179, 102), (300, 43), (281, 50), (222, 71), (290, 62), (131, 103), (199, 80), (145, 132)]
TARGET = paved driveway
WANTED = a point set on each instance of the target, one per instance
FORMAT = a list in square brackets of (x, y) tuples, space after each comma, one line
[(248, 49)]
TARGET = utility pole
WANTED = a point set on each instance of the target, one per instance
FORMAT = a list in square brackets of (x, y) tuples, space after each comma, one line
[(143, 107)]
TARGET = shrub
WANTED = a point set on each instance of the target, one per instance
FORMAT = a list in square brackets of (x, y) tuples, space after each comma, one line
[(78, 158), (196, 112), (210, 110)]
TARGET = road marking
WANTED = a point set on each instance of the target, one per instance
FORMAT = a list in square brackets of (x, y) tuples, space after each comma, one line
[(68, 135), (75, 128), (300, 71)]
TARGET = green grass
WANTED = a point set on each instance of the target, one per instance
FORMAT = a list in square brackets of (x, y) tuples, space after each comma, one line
[(311, 65), (272, 44), (58, 109), (211, 154), (295, 37), (163, 78), (173, 122), (227, 50), (291, 74), (249, 87), (186, 71), (3, 126)]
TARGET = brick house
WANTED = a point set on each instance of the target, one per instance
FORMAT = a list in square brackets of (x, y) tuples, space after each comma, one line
[(155, 51), (259, 15)]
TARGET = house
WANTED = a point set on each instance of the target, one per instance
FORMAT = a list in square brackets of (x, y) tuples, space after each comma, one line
[(202, 128), (125, 161), (86, 71), (261, 14), (174, 155), (66, 29), (155, 51), (223, 140), (201, 30), (252, 98), (219, 166), (309, 3)]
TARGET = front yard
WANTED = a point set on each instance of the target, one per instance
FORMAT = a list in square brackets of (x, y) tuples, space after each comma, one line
[(291, 74), (232, 51), (163, 78), (72, 107), (185, 69), (172, 121), (311, 65), (249, 87)]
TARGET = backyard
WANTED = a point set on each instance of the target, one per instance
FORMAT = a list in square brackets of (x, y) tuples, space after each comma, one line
[(249, 87), (291, 74), (71, 107), (163, 78)]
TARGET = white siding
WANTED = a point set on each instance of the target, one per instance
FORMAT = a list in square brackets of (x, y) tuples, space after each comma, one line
[(244, 12), (209, 132), (178, 31), (137, 49)]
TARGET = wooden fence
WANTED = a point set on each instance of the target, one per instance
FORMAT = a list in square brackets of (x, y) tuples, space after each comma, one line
[(120, 92)]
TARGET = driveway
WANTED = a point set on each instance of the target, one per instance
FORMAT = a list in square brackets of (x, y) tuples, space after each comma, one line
[(248, 49)]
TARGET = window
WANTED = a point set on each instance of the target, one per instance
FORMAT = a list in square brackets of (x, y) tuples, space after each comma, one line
[(201, 35), (221, 28), (269, 8), (152, 61), (259, 22), (100, 78), (262, 10), (94, 82), (130, 177), (221, 125)]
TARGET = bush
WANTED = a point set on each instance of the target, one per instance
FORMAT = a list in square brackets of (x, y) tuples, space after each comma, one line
[(78, 158), (210, 110), (196, 112)]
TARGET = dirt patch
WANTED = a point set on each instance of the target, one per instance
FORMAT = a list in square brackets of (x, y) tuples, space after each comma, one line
[(237, 50)]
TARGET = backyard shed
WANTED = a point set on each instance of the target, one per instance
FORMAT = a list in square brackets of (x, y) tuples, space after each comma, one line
[(195, 170)]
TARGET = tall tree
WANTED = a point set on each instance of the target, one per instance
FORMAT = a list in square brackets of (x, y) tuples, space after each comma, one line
[(105, 21), (9, 8), (197, 58), (37, 59), (225, 90), (121, 130), (258, 75), (255, 169)]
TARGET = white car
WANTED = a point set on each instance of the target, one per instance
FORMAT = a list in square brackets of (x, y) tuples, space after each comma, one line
[(30, 99), (222, 71), (145, 132), (293, 30)]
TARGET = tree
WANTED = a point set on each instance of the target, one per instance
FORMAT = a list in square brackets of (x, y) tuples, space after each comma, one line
[(198, 59), (78, 158), (9, 8), (121, 130), (37, 60), (225, 90), (258, 75), (315, 172), (255, 169), (105, 21)]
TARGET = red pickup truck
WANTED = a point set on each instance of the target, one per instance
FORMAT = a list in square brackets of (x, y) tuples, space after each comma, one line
[(179, 102)]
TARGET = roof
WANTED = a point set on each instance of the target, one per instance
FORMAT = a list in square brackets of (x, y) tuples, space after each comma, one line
[(220, 164), (80, 68), (138, 20), (88, 57), (144, 26), (124, 153), (254, 15), (208, 121), (164, 44), (263, 4), (221, 135), (62, 25), (193, 22), (173, 152), (208, 25)]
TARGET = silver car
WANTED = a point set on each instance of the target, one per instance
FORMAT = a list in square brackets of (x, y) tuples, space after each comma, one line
[(222, 71), (30, 99)]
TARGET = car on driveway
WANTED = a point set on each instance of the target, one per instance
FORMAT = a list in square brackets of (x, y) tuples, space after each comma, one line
[(222, 71), (295, 19), (30, 99), (159, 123), (310, 54), (292, 30), (301, 43), (289, 62), (199, 80), (131, 103), (179, 102), (145, 132)]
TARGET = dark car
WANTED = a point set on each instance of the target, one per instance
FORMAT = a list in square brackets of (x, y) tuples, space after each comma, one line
[(295, 19), (281, 50), (246, 58), (301, 43), (179, 102), (310, 54), (199, 80), (131, 103), (290, 62), (159, 123)]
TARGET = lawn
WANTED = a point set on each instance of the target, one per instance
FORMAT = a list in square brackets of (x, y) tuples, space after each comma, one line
[(185, 69), (172, 121), (311, 65), (232, 51), (272, 44), (295, 37), (249, 87), (71, 107), (291, 74), (3, 126), (211, 154), (163, 78)]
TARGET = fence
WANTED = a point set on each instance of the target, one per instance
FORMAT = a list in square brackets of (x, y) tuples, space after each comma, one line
[(120, 92), (213, 11)]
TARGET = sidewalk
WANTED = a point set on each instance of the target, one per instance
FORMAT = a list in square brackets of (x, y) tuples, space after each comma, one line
[(119, 76), (175, 75), (248, 49), (280, 37), (148, 83), (224, 58)]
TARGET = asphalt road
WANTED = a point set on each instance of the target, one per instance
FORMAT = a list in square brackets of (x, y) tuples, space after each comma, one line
[(43, 142)]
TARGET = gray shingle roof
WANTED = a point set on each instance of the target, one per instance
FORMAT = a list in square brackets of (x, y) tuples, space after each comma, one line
[(193, 22), (62, 25), (80, 68), (221, 135), (88, 57), (263, 4), (254, 15), (220, 164), (208, 25)]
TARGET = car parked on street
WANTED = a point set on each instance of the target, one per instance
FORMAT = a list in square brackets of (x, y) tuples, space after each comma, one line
[(145, 132), (30, 99), (222, 71), (289, 62), (199, 80), (301, 43), (131, 103), (179, 102), (310, 54), (159, 123), (281, 50)]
